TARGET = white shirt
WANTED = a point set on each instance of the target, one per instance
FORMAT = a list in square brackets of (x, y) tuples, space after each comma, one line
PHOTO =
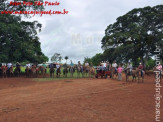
[(9, 65), (28, 65), (129, 66), (86, 64), (57, 66), (104, 64), (114, 65)]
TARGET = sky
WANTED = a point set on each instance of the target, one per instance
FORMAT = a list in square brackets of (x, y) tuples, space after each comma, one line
[(78, 34)]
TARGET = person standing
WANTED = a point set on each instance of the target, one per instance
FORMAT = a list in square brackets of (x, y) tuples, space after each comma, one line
[(114, 65), (120, 69)]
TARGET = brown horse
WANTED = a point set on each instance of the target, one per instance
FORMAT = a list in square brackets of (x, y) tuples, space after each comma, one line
[(135, 73), (33, 71), (114, 73), (4, 71), (11, 71), (17, 71), (72, 70), (92, 72), (58, 72), (43, 71), (86, 71), (28, 72)]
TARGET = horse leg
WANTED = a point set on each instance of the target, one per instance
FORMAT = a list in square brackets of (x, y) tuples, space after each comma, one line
[(126, 77)]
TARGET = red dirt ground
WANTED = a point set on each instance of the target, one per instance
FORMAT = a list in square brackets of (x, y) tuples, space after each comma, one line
[(77, 100)]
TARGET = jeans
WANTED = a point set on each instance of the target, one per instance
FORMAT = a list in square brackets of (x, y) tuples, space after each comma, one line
[(119, 76)]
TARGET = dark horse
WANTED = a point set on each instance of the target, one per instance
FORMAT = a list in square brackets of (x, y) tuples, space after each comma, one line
[(17, 71), (10, 72), (79, 70), (72, 70), (135, 73), (52, 70), (65, 70), (33, 71), (28, 72), (58, 72)]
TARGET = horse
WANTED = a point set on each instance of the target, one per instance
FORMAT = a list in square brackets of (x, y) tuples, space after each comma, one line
[(65, 70), (114, 73), (11, 71), (38, 69), (79, 70), (33, 71), (52, 70), (43, 71), (135, 73), (72, 70), (4, 71), (17, 71), (58, 72), (28, 72), (91, 72), (86, 70)]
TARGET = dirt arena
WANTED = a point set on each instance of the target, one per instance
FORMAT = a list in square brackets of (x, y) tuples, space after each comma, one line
[(77, 100)]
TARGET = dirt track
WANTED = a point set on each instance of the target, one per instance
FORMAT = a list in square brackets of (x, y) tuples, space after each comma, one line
[(77, 100)]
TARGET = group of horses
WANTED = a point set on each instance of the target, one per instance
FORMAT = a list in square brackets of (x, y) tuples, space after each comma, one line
[(41, 71), (9, 72), (135, 73), (82, 71)]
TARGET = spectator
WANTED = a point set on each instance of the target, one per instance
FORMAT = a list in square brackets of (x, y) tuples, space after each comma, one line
[(120, 69)]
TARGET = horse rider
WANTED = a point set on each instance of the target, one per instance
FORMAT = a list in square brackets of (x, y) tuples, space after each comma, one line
[(57, 66), (44, 65), (114, 65), (140, 67), (18, 66), (80, 66), (9, 65), (159, 68), (86, 64), (65, 66), (129, 66), (72, 64), (28, 65), (104, 65), (51, 66)]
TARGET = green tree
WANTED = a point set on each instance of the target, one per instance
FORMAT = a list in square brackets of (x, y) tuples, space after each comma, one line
[(141, 28), (19, 41), (97, 59)]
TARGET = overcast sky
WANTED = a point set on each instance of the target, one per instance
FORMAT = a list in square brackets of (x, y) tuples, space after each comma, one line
[(78, 34)]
